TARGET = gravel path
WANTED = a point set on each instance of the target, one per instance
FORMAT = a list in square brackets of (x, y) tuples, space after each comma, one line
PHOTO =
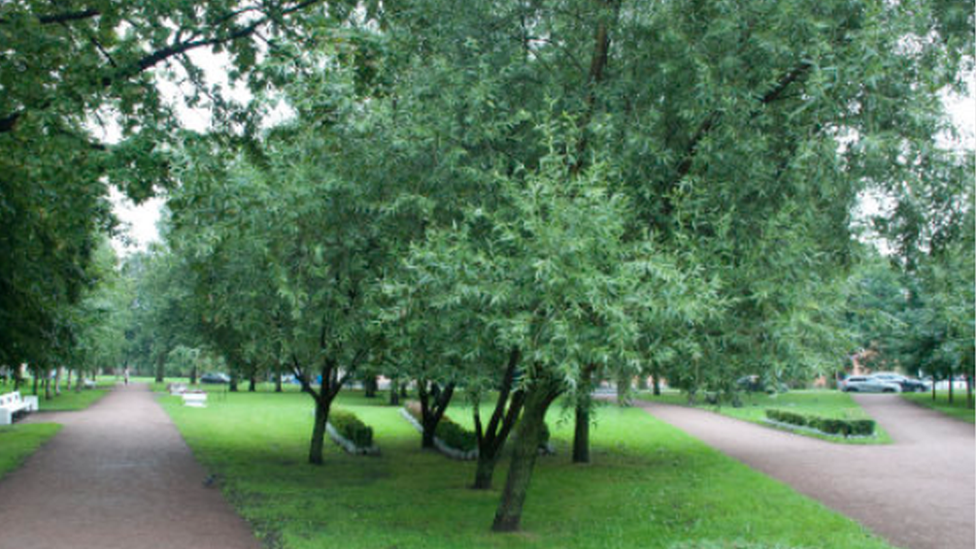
[(918, 493), (118, 475)]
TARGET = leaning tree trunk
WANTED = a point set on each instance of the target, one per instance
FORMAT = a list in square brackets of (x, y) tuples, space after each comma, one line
[(315, 455), (537, 401), (492, 437), (433, 404)]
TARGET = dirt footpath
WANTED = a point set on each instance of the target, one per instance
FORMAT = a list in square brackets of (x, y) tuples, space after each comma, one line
[(118, 475), (918, 493)]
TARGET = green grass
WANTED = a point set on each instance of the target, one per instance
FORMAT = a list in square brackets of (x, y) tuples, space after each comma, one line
[(19, 441), (958, 409), (649, 486), (68, 400), (824, 403)]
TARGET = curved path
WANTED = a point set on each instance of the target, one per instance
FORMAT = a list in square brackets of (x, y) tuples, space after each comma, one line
[(118, 475), (918, 493)]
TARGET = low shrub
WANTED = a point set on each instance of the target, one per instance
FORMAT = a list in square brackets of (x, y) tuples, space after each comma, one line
[(448, 431), (830, 426), (456, 436), (352, 428)]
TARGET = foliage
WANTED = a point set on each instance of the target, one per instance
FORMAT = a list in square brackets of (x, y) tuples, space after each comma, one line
[(832, 426), (352, 428)]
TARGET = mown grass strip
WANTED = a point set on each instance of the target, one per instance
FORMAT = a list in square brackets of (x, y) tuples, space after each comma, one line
[(649, 486)]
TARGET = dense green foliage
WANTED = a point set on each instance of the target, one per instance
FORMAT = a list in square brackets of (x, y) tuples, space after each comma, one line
[(565, 187), (352, 428)]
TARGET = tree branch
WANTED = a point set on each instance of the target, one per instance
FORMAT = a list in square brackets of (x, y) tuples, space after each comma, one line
[(66, 17)]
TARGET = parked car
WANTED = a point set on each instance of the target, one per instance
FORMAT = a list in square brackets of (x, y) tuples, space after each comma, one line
[(868, 384), (907, 384), (215, 377)]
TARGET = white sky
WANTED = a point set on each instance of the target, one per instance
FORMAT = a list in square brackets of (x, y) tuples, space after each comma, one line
[(142, 220)]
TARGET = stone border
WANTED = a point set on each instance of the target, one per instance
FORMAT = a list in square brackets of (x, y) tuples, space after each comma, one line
[(348, 445), (810, 430), (441, 446)]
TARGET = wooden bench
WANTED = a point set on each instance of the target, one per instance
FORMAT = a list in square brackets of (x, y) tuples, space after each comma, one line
[(13, 403), (195, 399)]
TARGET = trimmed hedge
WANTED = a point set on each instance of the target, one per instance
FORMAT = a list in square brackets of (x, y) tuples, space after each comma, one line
[(447, 430), (830, 426), (352, 428), (456, 436)]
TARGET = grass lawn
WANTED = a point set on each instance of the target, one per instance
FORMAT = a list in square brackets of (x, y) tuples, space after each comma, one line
[(649, 486), (958, 409), (68, 400), (824, 403), (19, 441)]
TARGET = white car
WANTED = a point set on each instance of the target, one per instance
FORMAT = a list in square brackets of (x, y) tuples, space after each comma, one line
[(867, 384)]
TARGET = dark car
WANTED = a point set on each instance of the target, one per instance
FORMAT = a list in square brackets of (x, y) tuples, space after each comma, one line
[(908, 385), (215, 377)]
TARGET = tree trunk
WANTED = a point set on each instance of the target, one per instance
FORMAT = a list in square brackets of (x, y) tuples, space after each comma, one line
[(537, 401), (656, 381), (277, 377), (370, 386), (433, 404), (57, 382), (491, 438), (318, 431), (934, 383), (581, 433), (950, 388), (47, 384), (79, 380), (252, 383), (485, 471), (233, 382), (67, 379), (394, 392), (969, 391), (193, 375), (160, 369)]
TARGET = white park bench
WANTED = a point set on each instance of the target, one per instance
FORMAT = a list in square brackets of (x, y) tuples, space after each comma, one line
[(13, 403), (195, 399)]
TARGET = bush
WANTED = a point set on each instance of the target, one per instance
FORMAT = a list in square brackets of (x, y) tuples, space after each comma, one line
[(450, 433), (830, 426), (455, 436), (351, 428)]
